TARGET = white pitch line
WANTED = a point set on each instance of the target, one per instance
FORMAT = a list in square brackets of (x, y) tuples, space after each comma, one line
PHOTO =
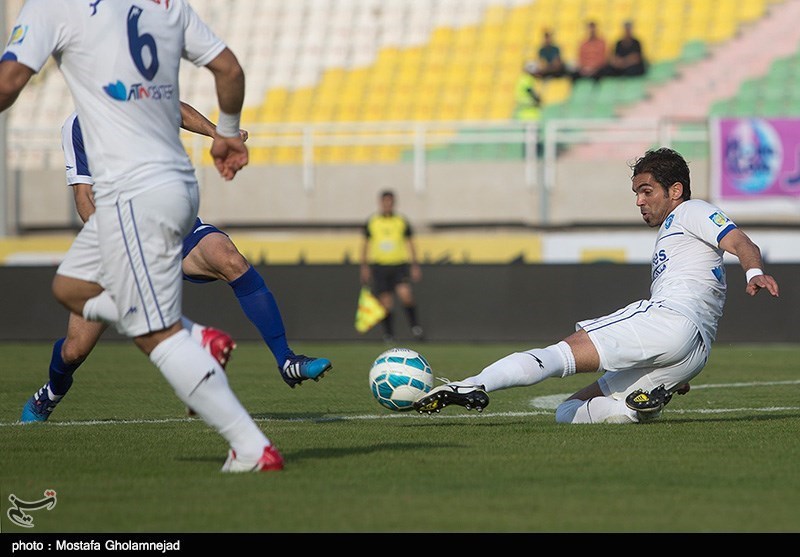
[(544, 404), (550, 402)]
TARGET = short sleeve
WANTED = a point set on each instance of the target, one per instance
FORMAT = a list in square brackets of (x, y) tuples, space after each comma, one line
[(39, 32)]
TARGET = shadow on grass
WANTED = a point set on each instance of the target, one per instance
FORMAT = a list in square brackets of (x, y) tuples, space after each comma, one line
[(338, 452)]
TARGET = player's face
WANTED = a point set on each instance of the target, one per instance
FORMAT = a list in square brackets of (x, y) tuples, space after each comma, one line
[(654, 202)]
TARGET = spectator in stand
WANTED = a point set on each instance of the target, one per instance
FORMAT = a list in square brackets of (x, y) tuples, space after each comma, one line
[(627, 58), (592, 55), (549, 62)]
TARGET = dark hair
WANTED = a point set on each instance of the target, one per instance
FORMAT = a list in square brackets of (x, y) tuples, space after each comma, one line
[(667, 167), (387, 193)]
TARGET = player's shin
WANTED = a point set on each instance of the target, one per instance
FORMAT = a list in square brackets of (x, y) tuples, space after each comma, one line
[(60, 371), (598, 410), (527, 368), (201, 384)]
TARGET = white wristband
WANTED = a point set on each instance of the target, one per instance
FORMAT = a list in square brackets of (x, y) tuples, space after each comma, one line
[(754, 272), (228, 124)]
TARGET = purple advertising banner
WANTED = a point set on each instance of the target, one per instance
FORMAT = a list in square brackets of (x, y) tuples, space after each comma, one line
[(756, 158)]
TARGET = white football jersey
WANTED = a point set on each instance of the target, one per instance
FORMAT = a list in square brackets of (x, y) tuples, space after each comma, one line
[(120, 59), (687, 268), (75, 160)]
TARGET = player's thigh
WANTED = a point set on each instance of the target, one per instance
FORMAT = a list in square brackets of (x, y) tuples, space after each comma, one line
[(210, 254), (142, 248), (215, 256), (642, 334), (82, 260), (79, 274), (621, 383)]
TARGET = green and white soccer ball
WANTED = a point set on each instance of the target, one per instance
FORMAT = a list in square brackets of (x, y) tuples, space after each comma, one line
[(398, 377)]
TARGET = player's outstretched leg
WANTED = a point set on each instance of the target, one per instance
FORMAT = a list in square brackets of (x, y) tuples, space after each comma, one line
[(471, 397), (260, 307), (298, 367)]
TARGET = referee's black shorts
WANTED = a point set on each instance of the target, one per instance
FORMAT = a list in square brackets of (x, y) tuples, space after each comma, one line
[(386, 277)]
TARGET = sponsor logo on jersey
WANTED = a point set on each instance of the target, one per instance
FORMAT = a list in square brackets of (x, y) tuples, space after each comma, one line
[(659, 263), (18, 34), (719, 273), (668, 222), (718, 218), (139, 91)]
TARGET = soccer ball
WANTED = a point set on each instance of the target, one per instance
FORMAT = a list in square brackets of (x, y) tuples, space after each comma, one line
[(398, 377)]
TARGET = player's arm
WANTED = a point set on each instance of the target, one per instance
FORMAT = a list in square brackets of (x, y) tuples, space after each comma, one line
[(228, 150), (739, 244), (194, 121), (13, 78), (84, 200)]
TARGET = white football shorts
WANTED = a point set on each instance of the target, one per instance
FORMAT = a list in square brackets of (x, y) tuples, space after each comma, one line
[(134, 249), (644, 345)]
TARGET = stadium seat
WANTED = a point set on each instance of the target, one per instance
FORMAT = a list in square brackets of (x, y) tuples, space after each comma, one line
[(367, 60)]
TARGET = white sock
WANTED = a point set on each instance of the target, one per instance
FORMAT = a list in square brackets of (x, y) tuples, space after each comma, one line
[(201, 384), (194, 329), (101, 308), (526, 368), (598, 410), (52, 396)]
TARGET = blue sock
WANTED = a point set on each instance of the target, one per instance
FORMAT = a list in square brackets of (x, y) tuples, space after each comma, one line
[(261, 309), (60, 372)]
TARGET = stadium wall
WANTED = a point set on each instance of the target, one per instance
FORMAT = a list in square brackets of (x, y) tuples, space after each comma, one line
[(450, 194), (528, 304)]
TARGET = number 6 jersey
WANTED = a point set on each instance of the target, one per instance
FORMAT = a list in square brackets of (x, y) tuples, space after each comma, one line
[(120, 60)]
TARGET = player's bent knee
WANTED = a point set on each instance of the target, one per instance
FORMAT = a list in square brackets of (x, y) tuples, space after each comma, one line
[(565, 413), (74, 353)]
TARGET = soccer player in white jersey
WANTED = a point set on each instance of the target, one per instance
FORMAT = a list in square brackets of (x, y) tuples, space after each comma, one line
[(651, 348), (120, 60), (208, 255)]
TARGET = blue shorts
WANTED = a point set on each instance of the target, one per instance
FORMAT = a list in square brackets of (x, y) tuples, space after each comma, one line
[(200, 231)]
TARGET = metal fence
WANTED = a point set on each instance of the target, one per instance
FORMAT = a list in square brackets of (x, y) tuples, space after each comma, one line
[(35, 161)]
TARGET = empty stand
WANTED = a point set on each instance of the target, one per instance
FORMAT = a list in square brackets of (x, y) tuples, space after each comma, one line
[(341, 61)]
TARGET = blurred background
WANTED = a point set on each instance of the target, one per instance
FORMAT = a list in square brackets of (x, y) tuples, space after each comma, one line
[(346, 98)]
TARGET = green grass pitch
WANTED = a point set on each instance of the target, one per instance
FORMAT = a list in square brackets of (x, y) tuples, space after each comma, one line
[(123, 457)]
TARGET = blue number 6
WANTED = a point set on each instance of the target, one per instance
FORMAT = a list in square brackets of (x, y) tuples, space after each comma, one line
[(137, 43)]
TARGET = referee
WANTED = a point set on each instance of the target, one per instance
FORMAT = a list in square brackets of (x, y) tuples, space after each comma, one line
[(389, 264)]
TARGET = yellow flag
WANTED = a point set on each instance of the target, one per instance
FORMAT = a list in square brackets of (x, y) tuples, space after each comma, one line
[(370, 312)]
